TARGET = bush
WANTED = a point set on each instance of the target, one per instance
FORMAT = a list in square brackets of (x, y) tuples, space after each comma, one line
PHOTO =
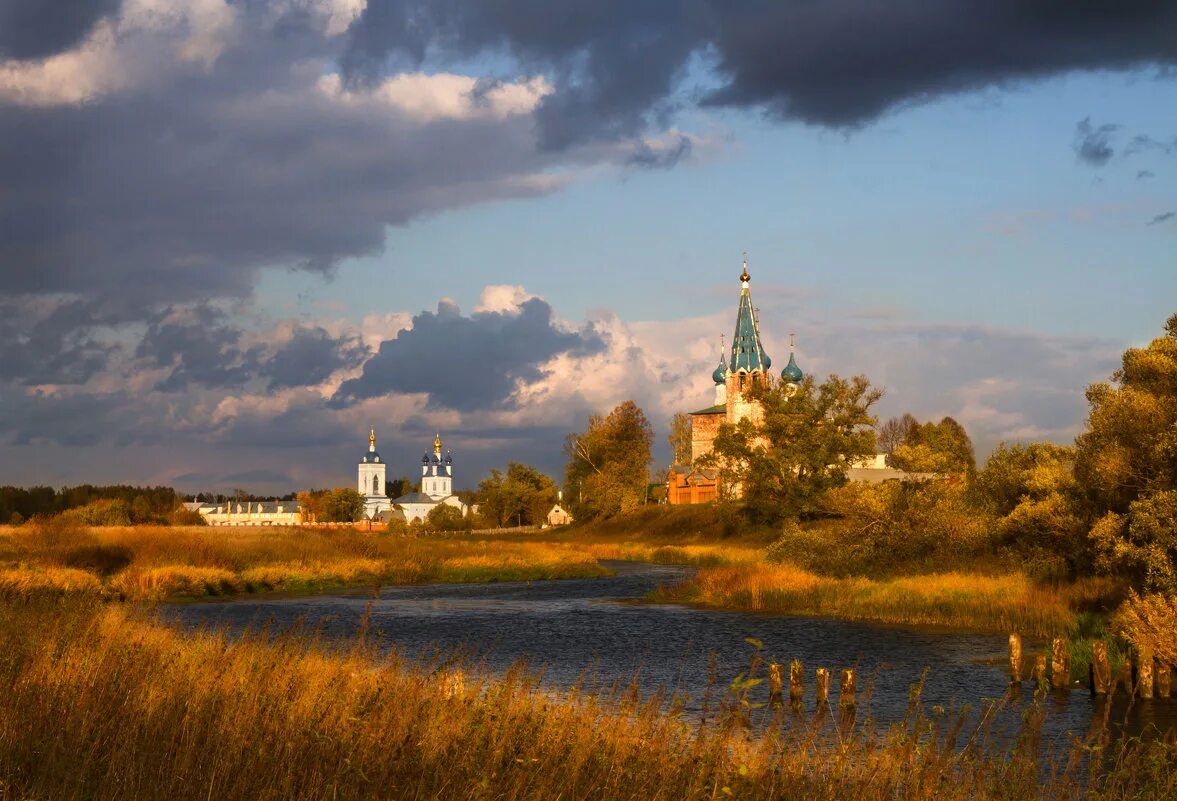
[(444, 517), (879, 529), (396, 524), (16, 519)]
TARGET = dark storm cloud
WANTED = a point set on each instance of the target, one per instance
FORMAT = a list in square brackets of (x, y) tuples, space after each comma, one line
[(310, 357), (198, 347), (39, 28), (652, 158), (181, 189), (202, 348), (838, 63), (616, 61), (1143, 174), (1161, 218), (1093, 145), (467, 363)]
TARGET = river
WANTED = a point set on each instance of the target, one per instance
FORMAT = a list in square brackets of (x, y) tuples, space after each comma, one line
[(572, 626)]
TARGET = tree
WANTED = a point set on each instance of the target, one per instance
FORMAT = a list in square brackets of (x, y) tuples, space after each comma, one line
[(521, 496), (680, 438), (342, 505), (398, 487), (1031, 489), (1126, 465), (895, 432), (942, 447), (608, 463), (444, 517), (809, 435)]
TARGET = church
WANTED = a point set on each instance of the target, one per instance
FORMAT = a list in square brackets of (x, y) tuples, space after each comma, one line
[(746, 366), (437, 479)]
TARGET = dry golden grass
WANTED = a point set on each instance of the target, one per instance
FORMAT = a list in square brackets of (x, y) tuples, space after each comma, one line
[(29, 582), (962, 600), (157, 563), (103, 703)]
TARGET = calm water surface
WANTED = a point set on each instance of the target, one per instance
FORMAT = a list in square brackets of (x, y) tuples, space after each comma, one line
[(572, 626)]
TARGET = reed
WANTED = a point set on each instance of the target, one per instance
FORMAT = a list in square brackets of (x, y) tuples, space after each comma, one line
[(105, 703), (961, 600)]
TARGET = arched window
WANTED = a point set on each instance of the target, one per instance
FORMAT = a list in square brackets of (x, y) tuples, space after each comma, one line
[(375, 485)]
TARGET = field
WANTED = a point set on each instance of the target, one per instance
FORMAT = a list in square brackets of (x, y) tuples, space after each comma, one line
[(102, 702), (149, 563)]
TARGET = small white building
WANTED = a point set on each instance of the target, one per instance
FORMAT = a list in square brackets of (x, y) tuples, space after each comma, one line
[(249, 513), (437, 486)]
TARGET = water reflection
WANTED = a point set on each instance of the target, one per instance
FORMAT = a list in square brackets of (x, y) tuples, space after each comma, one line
[(573, 626)]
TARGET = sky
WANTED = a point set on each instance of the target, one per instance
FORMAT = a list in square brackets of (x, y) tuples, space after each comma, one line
[(234, 236)]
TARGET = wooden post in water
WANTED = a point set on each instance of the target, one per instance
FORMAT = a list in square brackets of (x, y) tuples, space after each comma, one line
[(775, 683), (1101, 669), (1015, 658), (823, 687), (1144, 673), (796, 683), (846, 692), (1060, 667), (1040, 672), (1164, 680)]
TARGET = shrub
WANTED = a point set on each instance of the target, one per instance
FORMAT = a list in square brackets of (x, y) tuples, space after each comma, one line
[(444, 517), (16, 519)]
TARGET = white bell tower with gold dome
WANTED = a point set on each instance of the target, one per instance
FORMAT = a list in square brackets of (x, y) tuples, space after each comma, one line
[(370, 480)]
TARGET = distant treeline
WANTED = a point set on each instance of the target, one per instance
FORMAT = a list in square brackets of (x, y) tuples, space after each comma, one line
[(142, 504)]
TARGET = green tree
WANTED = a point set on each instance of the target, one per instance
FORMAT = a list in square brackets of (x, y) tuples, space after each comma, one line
[(895, 432), (1126, 465), (342, 505), (521, 496), (608, 463), (942, 447), (809, 435), (680, 438), (444, 517)]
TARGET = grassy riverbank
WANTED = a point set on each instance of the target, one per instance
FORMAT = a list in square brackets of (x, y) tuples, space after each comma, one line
[(161, 563), (1001, 603), (104, 703)]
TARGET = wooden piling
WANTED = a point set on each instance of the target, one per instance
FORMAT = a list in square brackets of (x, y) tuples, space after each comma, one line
[(1164, 680), (846, 692), (796, 683), (1060, 664), (1144, 672), (1040, 682), (823, 687), (1126, 676), (1101, 669), (1015, 658), (775, 684)]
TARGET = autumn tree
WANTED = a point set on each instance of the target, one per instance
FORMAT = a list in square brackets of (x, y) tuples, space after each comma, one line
[(341, 505), (942, 447), (809, 435), (444, 517), (680, 438), (895, 432), (522, 495), (1032, 492), (1126, 465), (608, 463)]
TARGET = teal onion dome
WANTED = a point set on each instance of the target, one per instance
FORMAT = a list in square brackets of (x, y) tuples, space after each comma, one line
[(720, 374), (767, 361), (792, 373)]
